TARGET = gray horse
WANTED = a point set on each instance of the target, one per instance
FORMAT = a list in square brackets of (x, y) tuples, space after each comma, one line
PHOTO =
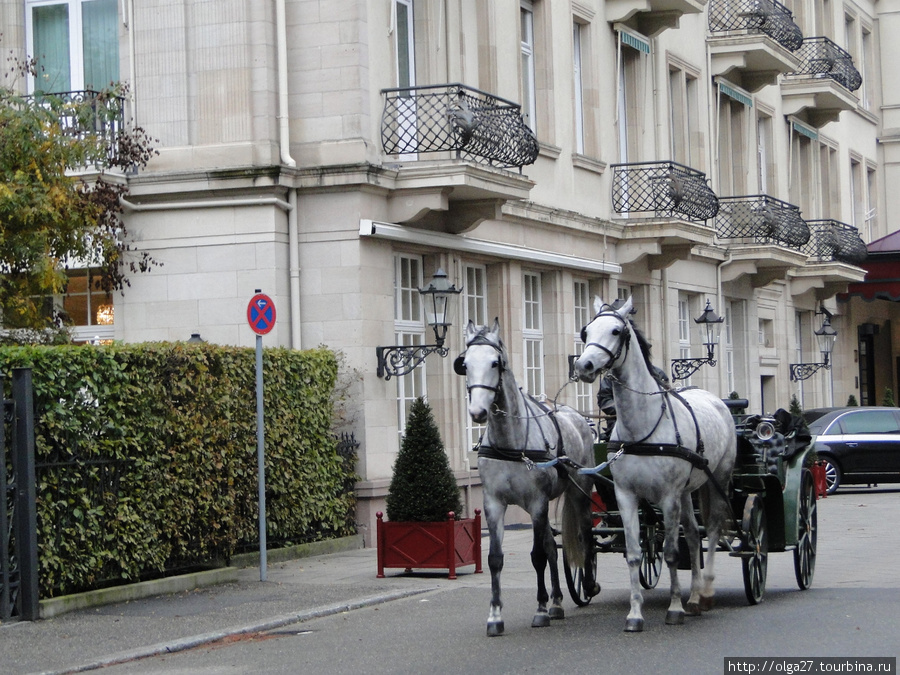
[(521, 432), (672, 443)]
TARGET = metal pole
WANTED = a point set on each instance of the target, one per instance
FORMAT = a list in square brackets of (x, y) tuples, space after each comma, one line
[(260, 459), (26, 491)]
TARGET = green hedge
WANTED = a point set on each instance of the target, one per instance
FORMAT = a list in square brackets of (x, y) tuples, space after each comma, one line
[(146, 457)]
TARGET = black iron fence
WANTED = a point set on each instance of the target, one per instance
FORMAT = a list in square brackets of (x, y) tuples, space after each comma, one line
[(761, 219), (820, 57), (832, 240), (18, 515), (768, 17), (666, 189), (456, 118), (88, 113)]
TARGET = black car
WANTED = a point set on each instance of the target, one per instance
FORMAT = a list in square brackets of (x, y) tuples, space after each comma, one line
[(858, 444)]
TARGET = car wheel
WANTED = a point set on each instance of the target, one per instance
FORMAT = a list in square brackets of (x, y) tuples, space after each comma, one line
[(832, 476)]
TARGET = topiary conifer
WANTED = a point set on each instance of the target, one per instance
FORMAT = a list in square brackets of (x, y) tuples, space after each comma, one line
[(423, 488)]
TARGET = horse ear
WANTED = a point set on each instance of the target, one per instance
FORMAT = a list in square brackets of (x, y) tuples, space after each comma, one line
[(495, 329), (627, 308), (598, 304), (459, 364)]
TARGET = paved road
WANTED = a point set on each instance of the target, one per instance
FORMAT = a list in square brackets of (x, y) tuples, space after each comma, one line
[(851, 610)]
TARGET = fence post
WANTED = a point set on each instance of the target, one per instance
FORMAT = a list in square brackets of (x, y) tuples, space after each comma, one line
[(26, 510)]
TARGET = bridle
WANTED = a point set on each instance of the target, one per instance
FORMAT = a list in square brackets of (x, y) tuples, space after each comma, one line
[(624, 337), (459, 365)]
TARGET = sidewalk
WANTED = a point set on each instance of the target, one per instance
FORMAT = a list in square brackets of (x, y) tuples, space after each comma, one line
[(294, 591)]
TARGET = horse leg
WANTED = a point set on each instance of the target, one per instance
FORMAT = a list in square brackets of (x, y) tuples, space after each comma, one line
[(540, 556), (672, 511), (628, 508), (692, 536), (714, 509), (494, 513)]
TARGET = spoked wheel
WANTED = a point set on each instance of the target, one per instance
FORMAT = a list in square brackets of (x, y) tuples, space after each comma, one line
[(651, 548), (755, 546), (575, 577), (807, 526)]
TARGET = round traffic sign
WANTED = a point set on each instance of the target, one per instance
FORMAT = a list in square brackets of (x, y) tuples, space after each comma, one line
[(261, 313)]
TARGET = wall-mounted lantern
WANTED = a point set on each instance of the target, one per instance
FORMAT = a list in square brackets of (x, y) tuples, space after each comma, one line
[(710, 326)]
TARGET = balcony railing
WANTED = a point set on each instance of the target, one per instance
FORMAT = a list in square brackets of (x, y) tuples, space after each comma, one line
[(665, 189), (761, 219), (88, 113), (832, 240), (820, 57), (768, 17), (456, 118)]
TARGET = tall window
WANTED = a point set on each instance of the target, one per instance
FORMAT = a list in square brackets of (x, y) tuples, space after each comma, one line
[(75, 42), (577, 31), (857, 195), (685, 122), (88, 308), (409, 329), (631, 93), (871, 224), (765, 156), (526, 28), (583, 392), (475, 309), (684, 330), (803, 191), (533, 333), (405, 70), (734, 113)]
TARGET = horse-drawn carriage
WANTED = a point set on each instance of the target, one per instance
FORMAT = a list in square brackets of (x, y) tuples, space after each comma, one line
[(773, 503), (673, 455)]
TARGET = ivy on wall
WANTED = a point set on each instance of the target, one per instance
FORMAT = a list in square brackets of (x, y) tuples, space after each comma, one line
[(146, 457)]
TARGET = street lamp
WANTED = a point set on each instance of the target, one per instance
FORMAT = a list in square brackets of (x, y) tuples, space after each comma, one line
[(826, 337), (710, 326), (398, 360)]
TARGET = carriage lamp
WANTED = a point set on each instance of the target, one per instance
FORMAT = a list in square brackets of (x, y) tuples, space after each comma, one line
[(398, 360), (710, 326), (826, 337)]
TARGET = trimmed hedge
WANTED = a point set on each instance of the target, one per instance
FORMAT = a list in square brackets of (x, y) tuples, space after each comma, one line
[(146, 457)]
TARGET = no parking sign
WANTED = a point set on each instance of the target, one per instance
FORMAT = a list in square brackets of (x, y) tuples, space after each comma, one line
[(261, 313)]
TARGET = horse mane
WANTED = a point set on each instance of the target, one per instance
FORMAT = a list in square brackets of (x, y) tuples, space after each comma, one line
[(645, 346)]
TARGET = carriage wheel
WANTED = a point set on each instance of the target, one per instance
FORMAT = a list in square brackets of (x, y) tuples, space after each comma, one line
[(756, 549), (805, 553), (575, 577), (651, 548)]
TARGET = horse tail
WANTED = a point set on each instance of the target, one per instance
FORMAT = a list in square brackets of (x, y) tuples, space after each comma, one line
[(575, 522)]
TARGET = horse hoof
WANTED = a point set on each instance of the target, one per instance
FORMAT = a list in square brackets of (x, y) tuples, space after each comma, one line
[(495, 629), (692, 609), (674, 618), (634, 625), (540, 620), (557, 613), (707, 602)]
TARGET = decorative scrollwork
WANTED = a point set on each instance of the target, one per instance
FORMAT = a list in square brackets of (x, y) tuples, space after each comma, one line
[(666, 189), (768, 17), (820, 57), (763, 219), (803, 371), (682, 369), (399, 360), (837, 241)]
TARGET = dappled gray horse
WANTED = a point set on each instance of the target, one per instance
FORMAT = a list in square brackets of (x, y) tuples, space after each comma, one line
[(520, 432), (671, 443)]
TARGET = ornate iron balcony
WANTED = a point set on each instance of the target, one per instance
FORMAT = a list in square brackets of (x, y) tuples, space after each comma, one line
[(762, 219), (769, 17), (666, 189), (832, 240), (820, 57), (87, 112), (454, 117)]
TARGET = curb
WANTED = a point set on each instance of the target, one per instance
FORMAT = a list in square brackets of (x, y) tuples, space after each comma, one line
[(183, 644), (53, 607)]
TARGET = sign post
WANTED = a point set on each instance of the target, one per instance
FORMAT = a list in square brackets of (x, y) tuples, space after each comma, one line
[(261, 317)]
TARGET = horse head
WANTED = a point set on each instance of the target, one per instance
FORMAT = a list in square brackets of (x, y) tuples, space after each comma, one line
[(482, 364), (605, 340)]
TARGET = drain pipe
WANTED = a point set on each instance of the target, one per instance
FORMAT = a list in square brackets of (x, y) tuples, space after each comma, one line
[(284, 137)]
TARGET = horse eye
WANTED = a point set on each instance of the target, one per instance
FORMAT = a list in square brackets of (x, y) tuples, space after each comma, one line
[(495, 364), (616, 331)]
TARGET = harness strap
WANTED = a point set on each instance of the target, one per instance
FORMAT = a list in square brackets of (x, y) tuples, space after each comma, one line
[(661, 450)]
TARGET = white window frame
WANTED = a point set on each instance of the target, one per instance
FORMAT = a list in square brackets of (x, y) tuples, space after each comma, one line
[(584, 401), (684, 331), (409, 330), (532, 334), (76, 42), (527, 48), (578, 74), (475, 310)]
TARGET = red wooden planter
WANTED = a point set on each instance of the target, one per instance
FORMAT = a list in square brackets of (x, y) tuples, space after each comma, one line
[(442, 545)]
